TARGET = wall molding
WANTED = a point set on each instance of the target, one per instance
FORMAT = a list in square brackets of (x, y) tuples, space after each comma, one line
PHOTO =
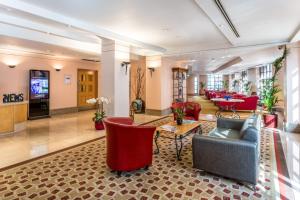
[(61, 111), (158, 112)]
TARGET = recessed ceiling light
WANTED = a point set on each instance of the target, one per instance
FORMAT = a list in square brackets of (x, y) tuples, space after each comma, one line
[(8, 9), (221, 25)]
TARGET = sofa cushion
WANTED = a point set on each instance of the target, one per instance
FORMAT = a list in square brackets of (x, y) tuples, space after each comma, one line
[(225, 133), (250, 134)]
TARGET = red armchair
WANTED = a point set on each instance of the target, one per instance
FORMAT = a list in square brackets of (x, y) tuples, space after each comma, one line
[(128, 146), (191, 110), (250, 103)]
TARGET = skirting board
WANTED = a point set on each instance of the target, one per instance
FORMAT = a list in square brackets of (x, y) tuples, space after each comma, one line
[(158, 112), (61, 111)]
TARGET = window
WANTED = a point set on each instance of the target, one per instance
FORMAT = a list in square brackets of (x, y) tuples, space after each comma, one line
[(265, 72), (196, 85), (244, 80), (214, 81)]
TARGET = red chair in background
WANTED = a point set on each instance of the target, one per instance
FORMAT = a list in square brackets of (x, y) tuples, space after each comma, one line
[(238, 96), (129, 147), (191, 110), (250, 103)]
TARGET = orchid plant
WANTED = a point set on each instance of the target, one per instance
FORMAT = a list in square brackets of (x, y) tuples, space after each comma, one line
[(100, 101)]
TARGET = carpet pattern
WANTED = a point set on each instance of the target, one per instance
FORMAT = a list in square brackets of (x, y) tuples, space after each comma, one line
[(81, 173)]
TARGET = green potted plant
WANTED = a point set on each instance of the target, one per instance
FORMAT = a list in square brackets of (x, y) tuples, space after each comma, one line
[(235, 85), (202, 87), (225, 85), (270, 91), (247, 87), (99, 114), (179, 113)]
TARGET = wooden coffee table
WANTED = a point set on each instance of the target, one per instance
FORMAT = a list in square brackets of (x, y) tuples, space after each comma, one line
[(177, 135)]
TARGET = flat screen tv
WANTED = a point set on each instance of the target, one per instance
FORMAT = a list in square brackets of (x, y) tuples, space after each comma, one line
[(39, 84)]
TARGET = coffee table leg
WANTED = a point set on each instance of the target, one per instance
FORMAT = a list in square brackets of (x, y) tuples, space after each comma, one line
[(178, 150), (200, 129), (235, 115), (155, 140)]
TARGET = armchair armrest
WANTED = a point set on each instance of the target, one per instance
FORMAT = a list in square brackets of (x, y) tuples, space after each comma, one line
[(231, 158), (236, 124)]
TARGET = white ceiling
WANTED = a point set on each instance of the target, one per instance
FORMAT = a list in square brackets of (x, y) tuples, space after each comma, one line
[(192, 31)]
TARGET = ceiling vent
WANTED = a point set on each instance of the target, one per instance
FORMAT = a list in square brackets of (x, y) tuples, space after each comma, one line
[(228, 20), (90, 60)]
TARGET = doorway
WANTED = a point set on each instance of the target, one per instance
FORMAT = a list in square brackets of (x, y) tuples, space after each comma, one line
[(87, 87)]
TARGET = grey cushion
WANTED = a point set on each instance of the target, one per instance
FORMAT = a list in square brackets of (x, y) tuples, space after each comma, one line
[(225, 133), (250, 134)]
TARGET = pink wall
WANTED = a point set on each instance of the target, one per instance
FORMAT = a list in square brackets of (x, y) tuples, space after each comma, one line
[(61, 95)]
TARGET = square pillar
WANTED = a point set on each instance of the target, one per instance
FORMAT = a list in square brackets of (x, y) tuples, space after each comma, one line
[(114, 78)]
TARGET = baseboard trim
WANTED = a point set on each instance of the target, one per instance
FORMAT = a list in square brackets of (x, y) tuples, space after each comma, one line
[(61, 111), (158, 112), (292, 127)]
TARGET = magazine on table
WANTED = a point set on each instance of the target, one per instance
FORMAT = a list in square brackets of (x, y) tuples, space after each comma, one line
[(168, 128)]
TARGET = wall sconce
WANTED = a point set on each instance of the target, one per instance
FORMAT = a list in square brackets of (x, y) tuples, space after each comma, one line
[(57, 68), (11, 66), (152, 69), (125, 64)]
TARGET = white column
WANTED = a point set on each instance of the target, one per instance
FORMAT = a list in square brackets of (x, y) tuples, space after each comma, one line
[(252, 77), (293, 85), (114, 81)]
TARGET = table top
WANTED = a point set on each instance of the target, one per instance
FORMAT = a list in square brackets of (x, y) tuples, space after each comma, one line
[(186, 127), (229, 100)]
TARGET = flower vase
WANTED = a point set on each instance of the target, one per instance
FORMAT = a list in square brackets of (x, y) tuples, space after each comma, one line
[(99, 125)]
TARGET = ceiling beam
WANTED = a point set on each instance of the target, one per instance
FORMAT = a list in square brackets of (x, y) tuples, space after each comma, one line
[(75, 23), (39, 27), (21, 33), (228, 64), (296, 36)]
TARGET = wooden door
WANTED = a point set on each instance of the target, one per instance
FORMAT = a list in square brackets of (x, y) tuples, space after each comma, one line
[(87, 86)]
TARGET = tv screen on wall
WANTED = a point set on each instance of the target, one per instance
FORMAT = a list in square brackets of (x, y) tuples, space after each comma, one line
[(39, 84), (39, 88)]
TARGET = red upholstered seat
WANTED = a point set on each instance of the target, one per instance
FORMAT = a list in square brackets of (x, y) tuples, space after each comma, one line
[(129, 147), (250, 103), (191, 110)]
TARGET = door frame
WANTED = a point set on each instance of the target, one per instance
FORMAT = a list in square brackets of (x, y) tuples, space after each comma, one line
[(78, 87)]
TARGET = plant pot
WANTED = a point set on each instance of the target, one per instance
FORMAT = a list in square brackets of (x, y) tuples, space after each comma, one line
[(179, 121), (270, 120), (99, 125), (138, 105)]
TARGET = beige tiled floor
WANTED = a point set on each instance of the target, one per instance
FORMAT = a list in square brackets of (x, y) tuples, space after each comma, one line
[(48, 135)]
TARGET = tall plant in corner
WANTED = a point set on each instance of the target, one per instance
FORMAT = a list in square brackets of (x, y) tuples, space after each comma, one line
[(270, 92), (138, 104)]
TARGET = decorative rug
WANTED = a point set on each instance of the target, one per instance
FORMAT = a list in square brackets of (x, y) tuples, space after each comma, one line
[(81, 173)]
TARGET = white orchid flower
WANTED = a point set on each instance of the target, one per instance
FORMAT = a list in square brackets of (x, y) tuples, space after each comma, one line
[(91, 101)]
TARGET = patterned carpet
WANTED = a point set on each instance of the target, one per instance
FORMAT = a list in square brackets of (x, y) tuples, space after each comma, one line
[(81, 173)]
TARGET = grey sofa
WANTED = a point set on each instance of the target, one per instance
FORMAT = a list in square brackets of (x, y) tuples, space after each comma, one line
[(231, 150)]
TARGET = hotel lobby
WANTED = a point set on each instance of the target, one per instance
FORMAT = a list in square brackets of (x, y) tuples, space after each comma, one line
[(139, 99)]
